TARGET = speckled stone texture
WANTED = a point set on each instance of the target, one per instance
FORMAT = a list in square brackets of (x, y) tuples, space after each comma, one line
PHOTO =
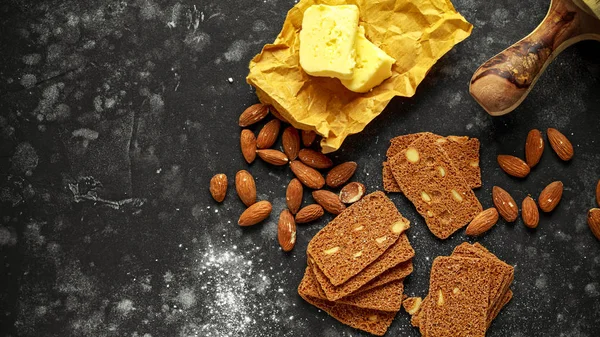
[(114, 115)]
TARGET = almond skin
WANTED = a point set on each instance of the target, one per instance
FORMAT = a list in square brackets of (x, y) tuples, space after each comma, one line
[(513, 166), (352, 192), (268, 134), (314, 159), (329, 200), (308, 137), (248, 145), (550, 196), (253, 114), (505, 204), (309, 213), (482, 222), (273, 157), (293, 195), (291, 142), (534, 147), (308, 176), (340, 174), (560, 144), (218, 187), (245, 187), (598, 193), (286, 231), (593, 220), (255, 213), (530, 212), (277, 115)]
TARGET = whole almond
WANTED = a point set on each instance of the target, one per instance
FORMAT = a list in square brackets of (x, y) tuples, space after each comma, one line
[(286, 231), (309, 213), (218, 187), (314, 159), (530, 213), (513, 166), (273, 157), (482, 222), (340, 174), (550, 196), (593, 220), (352, 192), (291, 142), (268, 134), (560, 144), (308, 137), (253, 114), (505, 204), (329, 200), (245, 187), (255, 213), (293, 195), (308, 176), (277, 115), (534, 147), (598, 193), (248, 145)]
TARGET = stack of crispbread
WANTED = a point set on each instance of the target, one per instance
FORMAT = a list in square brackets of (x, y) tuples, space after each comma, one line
[(437, 174), (467, 290), (357, 265)]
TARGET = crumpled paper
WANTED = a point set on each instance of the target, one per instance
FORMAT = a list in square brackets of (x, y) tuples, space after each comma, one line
[(415, 32)]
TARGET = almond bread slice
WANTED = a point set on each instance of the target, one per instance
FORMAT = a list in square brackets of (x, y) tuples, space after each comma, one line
[(434, 185), (357, 237)]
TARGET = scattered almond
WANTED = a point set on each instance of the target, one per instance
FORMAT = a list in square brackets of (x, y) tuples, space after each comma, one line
[(482, 222), (268, 134), (513, 166), (293, 195), (273, 157), (255, 213), (352, 192), (308, 137), (534, 147), (291, 142), (340, 174), (593, 220), (310, 177), (309, 213), (253, 114), (598, 193), (530, 213), (245, 187), (560, 144), (277, 115), (550, 196), (329, 200), (286, 231), (505, 204), (218, 187), (248, 145), (314, 159)]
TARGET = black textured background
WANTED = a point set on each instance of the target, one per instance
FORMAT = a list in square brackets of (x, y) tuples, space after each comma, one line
[(115, 114)]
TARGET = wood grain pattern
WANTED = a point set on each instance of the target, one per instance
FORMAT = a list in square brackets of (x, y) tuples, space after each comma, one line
[(504, 81)]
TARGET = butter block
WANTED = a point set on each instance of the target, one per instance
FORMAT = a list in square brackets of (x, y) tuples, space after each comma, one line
[(327, 40), (373, 65)]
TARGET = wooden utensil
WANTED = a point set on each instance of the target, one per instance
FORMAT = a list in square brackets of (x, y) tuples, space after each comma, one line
[(503, 82)]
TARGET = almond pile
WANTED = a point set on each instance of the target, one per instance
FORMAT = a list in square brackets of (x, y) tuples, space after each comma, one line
[(307, 165)]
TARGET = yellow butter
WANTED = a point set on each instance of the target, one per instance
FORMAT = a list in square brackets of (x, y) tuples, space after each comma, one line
[(327, 40), (373, 65)]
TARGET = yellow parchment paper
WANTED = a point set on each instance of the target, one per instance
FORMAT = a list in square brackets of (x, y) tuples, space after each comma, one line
[(415, 32)]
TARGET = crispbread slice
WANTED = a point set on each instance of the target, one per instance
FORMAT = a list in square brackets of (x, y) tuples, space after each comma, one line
[(400, 252), (357, 237), (502, 274), (371, 321), (387, 297), (436, 188), (398, 272), (397, 144), (458, 291), (389, 182), (505, 299)]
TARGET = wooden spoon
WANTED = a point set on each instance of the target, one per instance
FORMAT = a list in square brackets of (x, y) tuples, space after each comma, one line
[(503, 82)]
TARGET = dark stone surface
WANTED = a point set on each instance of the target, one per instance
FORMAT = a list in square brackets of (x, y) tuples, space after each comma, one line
[(115, 114)]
